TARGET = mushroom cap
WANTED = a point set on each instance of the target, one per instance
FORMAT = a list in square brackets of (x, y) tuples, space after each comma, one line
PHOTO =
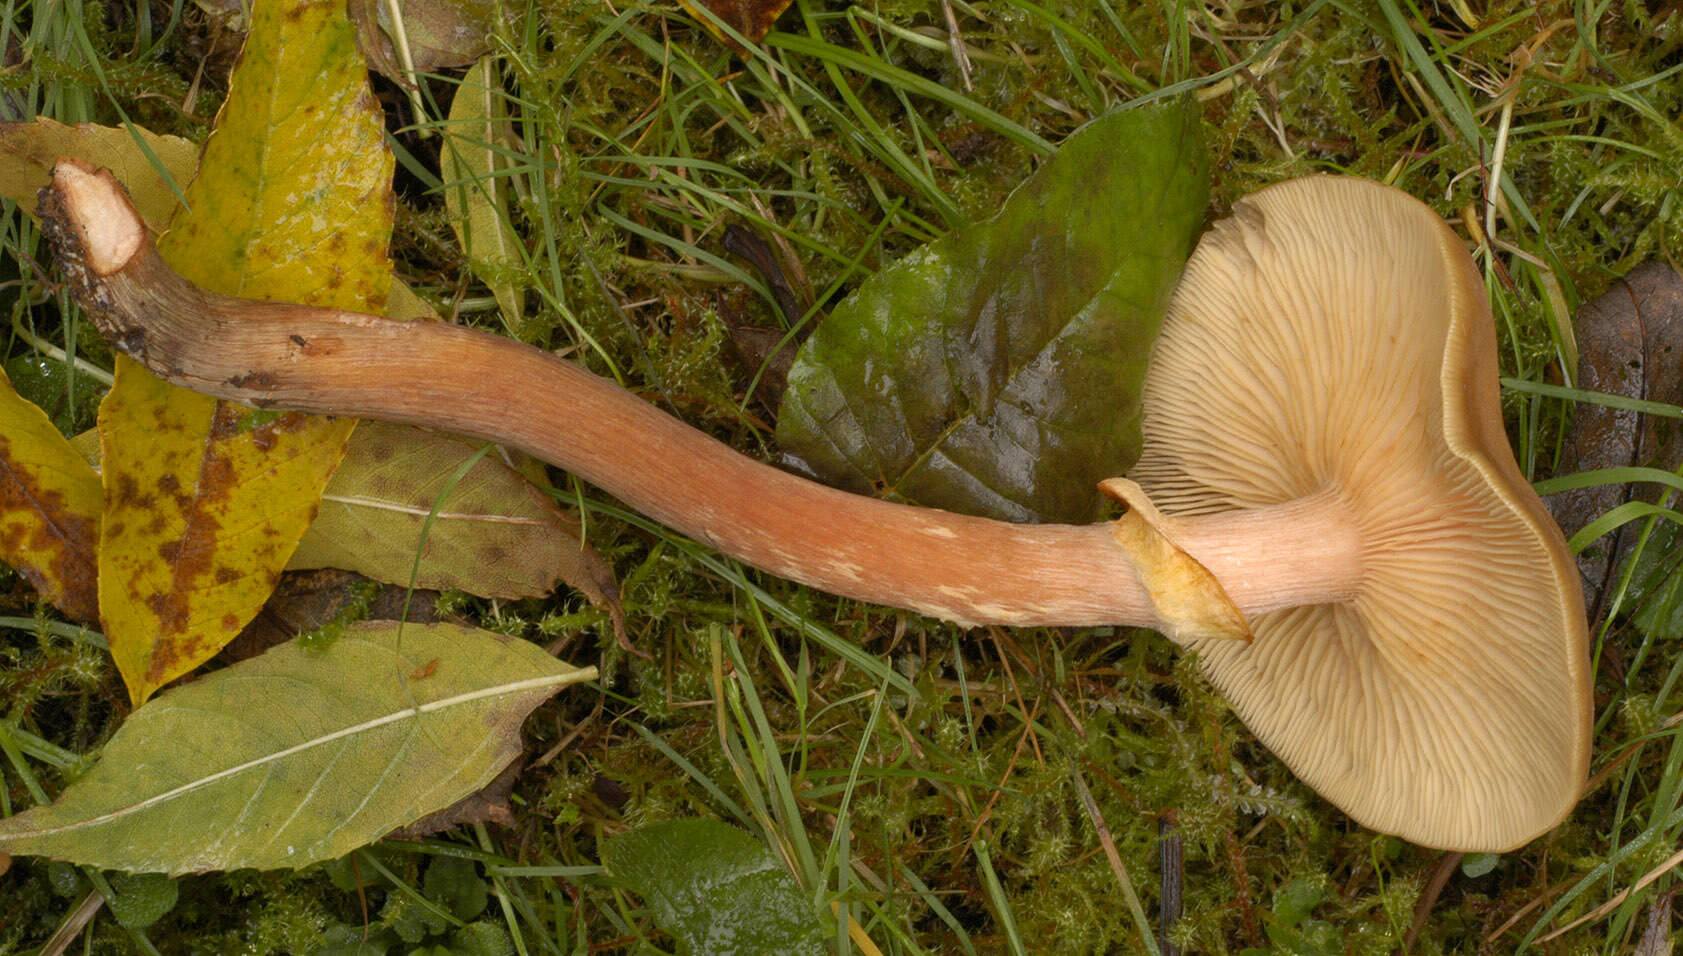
[(1333, 338)]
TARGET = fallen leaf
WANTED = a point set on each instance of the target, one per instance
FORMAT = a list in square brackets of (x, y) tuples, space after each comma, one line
[(495, 534), (49, 508), (204, 501), (438, 34), (190, 552), (714, 888), (403, 303), (28, 151), (306, 601), (791, 292), (343, 750), (1630, 341), (476, 193), (86, 445), (764, 354), (751, 18), (997, 370), (485, 530), (488, 805)]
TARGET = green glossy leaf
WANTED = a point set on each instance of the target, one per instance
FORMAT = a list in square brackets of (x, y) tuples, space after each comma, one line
[(301, 754), (997, 370), (715, 889)]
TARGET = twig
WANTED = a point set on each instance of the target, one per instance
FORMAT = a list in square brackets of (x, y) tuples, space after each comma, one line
[(1115, 858), (1429, 898), (1171, 861), (74, 922)]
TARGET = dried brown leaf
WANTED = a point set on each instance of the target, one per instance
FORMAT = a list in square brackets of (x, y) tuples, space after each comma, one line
[(1630, 341), (751, 18)]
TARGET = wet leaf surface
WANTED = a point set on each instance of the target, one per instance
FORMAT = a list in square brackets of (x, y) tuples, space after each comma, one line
[(1630, 343), (714, 888), (349, 745), (996, 371), (205, 501), (49, 508)]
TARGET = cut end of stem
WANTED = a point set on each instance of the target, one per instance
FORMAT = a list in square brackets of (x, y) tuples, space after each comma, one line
[(100, 213)]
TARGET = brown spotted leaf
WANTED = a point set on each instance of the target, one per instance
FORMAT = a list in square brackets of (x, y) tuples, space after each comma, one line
[(49, 508), (28, 151), (205, 501)]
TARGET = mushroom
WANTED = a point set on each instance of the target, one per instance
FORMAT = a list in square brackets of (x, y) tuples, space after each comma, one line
[(1331, 341), (1326, 510)]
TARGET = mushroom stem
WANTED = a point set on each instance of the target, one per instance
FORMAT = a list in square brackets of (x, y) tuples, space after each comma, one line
[(960, 568)]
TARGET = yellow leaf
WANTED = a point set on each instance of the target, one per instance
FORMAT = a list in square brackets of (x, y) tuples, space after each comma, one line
[(28, 151), (475, 193), (205, 501), (403, 303), (49, 508)]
